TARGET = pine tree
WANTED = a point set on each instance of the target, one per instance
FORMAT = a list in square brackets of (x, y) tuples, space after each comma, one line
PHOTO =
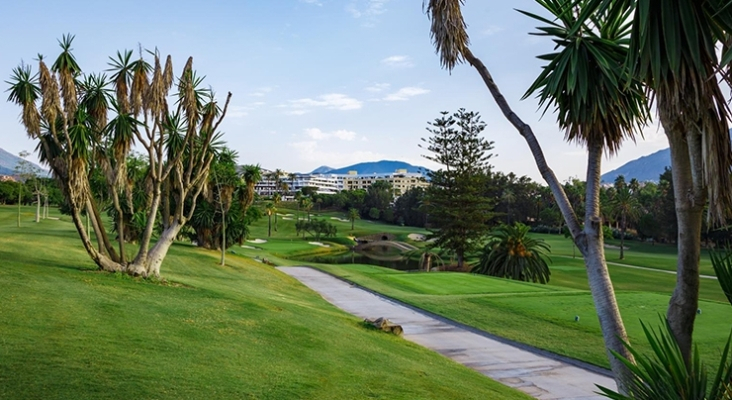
[(458, 212)]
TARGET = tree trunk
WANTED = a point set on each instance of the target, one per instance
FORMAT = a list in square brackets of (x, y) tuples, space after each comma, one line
[(20, 194), (152, 260), (689, 198), (589, 241), (269, 227), (622, 237), (275, 215), (38, 207), (598, 276), (45, 207)]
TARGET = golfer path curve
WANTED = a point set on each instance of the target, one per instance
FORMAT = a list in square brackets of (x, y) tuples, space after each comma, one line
[(539, 376)]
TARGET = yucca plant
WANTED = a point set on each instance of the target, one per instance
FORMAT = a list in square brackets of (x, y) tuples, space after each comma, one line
[(511, 253), (665, 375)]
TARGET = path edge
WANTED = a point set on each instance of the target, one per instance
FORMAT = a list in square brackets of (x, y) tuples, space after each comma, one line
[(523, 346)]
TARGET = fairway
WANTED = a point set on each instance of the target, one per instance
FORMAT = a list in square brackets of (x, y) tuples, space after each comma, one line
[(452, 283), (549, 317), (243, 330)]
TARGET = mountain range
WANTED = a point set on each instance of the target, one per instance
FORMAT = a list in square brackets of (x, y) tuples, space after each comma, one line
[(644, 169), (374, 167), (8, 162)]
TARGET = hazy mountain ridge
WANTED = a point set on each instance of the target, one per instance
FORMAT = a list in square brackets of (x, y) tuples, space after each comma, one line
[(644, 169), (373, 167), (8, 162)]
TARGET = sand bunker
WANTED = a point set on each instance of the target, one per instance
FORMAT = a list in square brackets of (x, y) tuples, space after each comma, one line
[(417, 237), (319, 244), (287, 218), (248, 247), (612, 246), (340, 219), (257, 241)]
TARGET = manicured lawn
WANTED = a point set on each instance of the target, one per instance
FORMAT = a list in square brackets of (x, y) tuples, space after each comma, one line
[(659, 256), (240, 331), (541, 316)]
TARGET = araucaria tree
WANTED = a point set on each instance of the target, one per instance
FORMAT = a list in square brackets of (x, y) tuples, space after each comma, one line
[(89, 122), (458, 211)]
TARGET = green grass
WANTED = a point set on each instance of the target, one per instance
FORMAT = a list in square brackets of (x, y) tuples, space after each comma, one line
[(541, 316), (658, 256), (240, 331)]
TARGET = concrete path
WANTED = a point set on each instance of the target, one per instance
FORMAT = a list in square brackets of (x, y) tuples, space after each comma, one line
[(536, 375)]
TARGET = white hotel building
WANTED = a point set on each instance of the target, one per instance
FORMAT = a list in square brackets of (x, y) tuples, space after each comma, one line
[(401, 181)]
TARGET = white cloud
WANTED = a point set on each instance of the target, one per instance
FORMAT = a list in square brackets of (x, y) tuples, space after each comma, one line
[(329, 153), (398, 62), (342, 134), (261, 92), (405, 93), (366, 8), (243, 111), (332, 101), (378, 87)]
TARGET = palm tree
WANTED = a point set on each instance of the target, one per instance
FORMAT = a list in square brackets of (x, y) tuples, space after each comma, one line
[(276, 199), (597, 105), (353, 215), (675, 54), (307, 204), (70, 127), (511, 253), (269, 209), (509, 198), (625, 206), (252, 175)]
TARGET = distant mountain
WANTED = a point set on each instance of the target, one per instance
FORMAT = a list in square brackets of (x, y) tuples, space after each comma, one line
[(322, 170), (376, 167), (8, 162), (646, 168)]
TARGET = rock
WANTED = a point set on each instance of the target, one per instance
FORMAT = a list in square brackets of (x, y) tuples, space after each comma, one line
[(384, 325)]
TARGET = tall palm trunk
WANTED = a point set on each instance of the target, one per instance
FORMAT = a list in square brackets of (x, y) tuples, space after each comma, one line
[(589, 241), (269, 226), (38, 207), (689, 199), (623, 228), (20, 193)]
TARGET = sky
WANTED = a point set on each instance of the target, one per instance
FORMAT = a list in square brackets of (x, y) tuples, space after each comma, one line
[(317, 82)]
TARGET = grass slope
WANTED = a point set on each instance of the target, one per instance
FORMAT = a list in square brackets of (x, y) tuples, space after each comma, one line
[(239, 331)]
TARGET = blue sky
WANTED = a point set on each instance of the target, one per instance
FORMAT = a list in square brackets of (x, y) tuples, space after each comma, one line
[(316, 82)]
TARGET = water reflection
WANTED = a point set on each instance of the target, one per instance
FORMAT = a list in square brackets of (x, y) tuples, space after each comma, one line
[(383, 256)]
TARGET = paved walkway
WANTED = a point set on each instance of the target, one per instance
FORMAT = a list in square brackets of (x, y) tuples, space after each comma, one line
[(539, 376)]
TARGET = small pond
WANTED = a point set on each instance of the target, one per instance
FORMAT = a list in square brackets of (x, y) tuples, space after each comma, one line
[(382, 256)]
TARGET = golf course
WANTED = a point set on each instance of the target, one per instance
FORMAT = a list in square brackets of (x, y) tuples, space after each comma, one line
[(246, 330)]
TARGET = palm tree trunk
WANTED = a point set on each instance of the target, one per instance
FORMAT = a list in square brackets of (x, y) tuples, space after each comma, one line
[(689, 198), (598, 276), (275, 221), (38, 207), (622, 236), (20, 194), (269, 227), (589, 241)]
